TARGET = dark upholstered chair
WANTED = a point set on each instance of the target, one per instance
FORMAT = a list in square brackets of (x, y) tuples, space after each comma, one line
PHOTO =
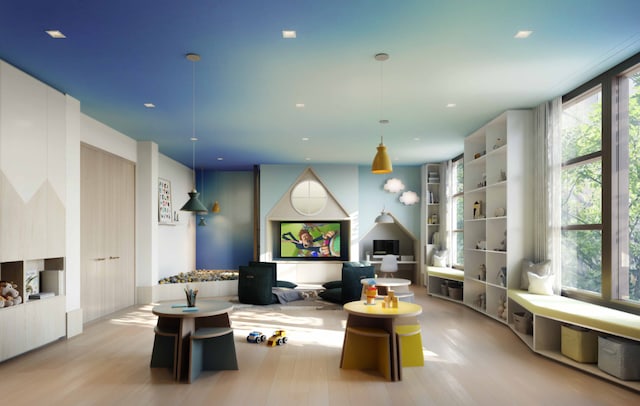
[(255, 285), (350, 287)]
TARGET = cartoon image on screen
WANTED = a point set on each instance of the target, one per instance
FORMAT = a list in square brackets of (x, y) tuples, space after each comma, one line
[(317, 240)]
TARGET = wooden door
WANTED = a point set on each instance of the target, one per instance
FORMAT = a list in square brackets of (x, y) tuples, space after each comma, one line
[(107, 233)]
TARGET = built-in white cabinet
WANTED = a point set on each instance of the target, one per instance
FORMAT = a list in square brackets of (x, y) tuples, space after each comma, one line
[(497, 210), (32, 167), (33, 323)]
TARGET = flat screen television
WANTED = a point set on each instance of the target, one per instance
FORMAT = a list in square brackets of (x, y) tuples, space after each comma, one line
[(316, 241), (384, 247)]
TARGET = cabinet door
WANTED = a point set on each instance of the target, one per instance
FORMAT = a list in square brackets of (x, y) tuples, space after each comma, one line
[(107, 233)]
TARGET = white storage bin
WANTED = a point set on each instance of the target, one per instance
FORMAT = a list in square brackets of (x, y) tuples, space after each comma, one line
[(619, 357)]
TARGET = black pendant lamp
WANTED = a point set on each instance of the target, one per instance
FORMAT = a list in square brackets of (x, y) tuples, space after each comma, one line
[(194, 204)]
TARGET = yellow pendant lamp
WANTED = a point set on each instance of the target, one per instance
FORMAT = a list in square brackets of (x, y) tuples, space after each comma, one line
[(381, 162)]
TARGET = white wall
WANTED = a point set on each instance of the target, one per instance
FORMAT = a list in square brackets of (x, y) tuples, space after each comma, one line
[(176, 243)]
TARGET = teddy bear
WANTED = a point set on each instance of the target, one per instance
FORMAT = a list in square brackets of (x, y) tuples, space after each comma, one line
[(9, 294)]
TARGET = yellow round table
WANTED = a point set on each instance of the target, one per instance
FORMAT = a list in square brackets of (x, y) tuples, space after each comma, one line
[(361, 315)]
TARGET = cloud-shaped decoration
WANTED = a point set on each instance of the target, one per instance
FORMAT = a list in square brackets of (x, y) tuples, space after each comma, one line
[(394, 185), (409, 198)]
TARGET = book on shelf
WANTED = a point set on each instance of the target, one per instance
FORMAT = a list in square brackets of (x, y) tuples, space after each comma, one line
[(41, 295)]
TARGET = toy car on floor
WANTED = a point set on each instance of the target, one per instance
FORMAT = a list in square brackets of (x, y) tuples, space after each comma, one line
[(279, 337), (256, 337)]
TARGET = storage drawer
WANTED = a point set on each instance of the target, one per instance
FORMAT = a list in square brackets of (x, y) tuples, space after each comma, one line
[(619, 357), (579, 344)]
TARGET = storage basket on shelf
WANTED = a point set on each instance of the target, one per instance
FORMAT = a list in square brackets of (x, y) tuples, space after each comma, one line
[(619, 357), (455, 290), (579, 344), (444, 289), (523, 322)]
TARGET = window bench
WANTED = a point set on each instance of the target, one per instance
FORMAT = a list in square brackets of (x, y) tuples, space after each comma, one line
[(439, 275), (551, 312)]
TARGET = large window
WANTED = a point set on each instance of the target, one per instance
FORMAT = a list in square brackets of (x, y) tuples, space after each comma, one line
[(629, 186), (582, 193), (457, 213), (601, 188)]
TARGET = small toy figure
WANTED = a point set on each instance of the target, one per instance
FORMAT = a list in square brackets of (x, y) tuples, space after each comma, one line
[(372, 292), (279, 337), (256, 337)]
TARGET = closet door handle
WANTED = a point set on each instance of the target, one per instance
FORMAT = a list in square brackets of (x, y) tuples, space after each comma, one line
[(114, 257), (101, 259)]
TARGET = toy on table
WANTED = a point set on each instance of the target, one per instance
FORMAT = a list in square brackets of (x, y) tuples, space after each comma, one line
[(279, 337), (371, 294), (390, 301)]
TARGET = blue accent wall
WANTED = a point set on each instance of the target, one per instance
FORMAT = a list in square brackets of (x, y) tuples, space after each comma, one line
[(227, 240)]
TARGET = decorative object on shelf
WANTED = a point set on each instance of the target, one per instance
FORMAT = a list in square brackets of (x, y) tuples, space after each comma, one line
[(483, 273), (176, 217), (194, 204), (500, 212), (477, 209), (31, 282), (381, 162), (164, 201), (409, 198), (393, 185), (384, 218), (481, 245), (9, 294), (191, 296), (502, 276), (502, 308), (503, 175), (498, 143)]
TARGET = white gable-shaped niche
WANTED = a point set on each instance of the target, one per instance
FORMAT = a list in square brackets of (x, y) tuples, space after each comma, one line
[(308, 198), (308, 201)]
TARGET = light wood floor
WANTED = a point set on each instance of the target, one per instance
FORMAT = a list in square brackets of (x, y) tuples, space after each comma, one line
[(469, 360)]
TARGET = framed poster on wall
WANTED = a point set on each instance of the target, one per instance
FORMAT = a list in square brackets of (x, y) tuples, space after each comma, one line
[(165, 210)]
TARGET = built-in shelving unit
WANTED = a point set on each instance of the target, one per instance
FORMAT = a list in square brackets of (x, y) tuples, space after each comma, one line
[(497, 226), (33, 323), (432, 214)]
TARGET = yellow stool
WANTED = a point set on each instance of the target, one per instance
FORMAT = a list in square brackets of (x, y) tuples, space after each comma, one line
[(366, 348), (409, 341)]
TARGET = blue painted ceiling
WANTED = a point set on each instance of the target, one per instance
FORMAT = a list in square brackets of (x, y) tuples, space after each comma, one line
[(119, 54)]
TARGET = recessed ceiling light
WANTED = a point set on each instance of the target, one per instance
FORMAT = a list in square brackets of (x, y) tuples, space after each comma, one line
[(416, 139), (523, 34), (220, 158), (307, 159), (55, 34), (288, 34), (300, 105), (449, 105), (305, 138), (150, 105), (193, 139)]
